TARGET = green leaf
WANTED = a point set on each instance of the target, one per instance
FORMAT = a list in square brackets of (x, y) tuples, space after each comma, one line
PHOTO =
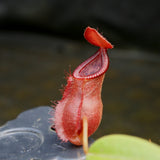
[(123, 147)]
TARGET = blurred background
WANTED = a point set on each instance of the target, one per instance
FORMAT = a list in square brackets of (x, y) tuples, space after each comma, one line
[(40, 40)]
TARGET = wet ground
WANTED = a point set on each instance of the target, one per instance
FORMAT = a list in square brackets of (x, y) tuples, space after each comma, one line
[(33, 68)]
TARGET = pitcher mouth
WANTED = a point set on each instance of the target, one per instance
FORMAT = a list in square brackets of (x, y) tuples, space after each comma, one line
[(94, 66)]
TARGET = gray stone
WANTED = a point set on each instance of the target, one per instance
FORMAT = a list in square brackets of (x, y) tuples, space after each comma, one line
[(29, 137)]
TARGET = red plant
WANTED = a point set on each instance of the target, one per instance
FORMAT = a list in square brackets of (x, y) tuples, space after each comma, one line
[(81, 102)]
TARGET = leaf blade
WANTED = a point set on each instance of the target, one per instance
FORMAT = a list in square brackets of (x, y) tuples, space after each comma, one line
[(123, 147)]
